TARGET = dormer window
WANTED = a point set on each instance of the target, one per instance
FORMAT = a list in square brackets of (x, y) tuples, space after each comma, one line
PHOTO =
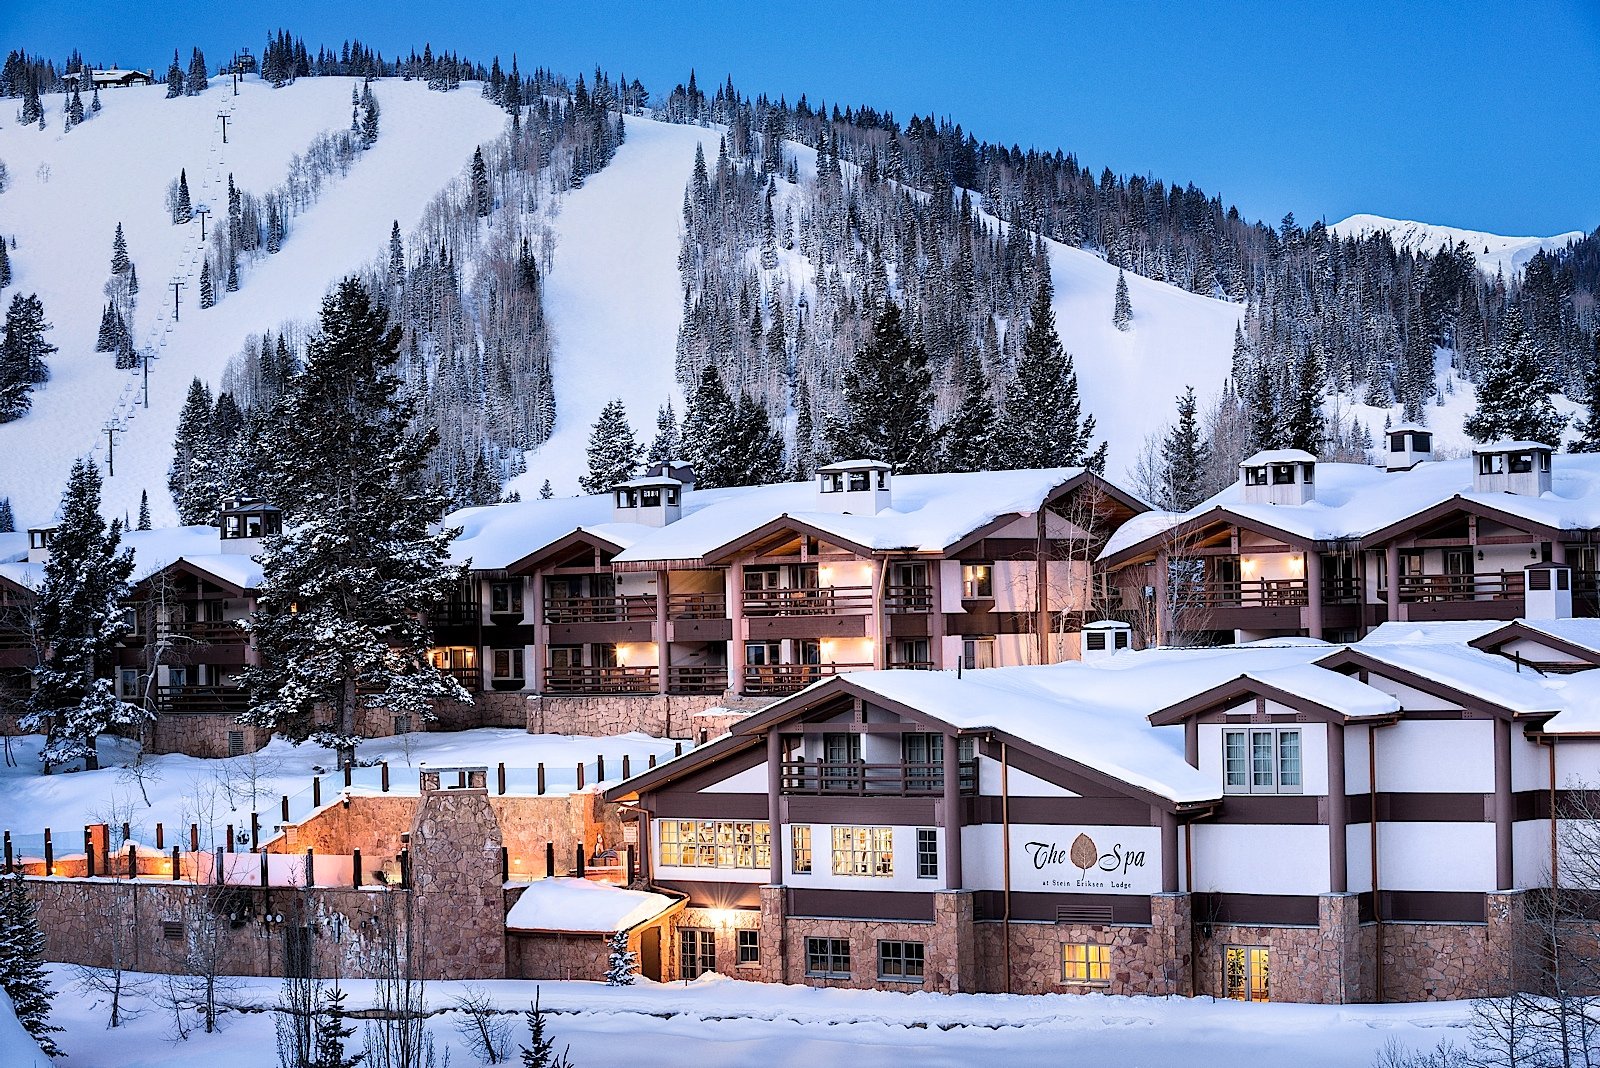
[(1255, 476)]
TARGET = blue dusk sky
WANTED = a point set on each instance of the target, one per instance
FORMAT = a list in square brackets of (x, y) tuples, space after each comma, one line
[(1479, 115)]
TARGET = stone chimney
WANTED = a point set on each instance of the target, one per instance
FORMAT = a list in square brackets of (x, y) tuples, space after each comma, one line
[(1104, 639), (458, 904), (1409, 444), (1520, 467), (1279, 476), (854, 487), (1549, 591)]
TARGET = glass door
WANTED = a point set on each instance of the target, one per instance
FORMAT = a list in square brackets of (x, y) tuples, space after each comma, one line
[(1247, 973)]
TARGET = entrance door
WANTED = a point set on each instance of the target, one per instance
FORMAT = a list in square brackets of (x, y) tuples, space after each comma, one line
[(1246, 973), (650, 953), (697, 952)]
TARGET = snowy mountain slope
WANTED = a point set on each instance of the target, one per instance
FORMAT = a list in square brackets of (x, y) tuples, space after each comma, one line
[(1494, 252), (613, 298), (116, 167)]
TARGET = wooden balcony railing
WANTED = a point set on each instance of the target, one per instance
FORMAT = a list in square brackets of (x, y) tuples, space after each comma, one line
[(602, 680), (470, 678), (1341, 591), (768, 680), (856, 779), (210, 631), (454, 614), (911, 665), (697, 605), (697, 678), (828, 600), (908, 599), (201, 699), (1497, 586), (639, 608), (1247, 593)]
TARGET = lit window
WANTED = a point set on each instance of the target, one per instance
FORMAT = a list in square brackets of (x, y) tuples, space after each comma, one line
[(1262, 760), (901, 961), (977, 580), (715, 844), (800, 849), (1087, 963), (828, 958), (1246, 973), (865, 851)]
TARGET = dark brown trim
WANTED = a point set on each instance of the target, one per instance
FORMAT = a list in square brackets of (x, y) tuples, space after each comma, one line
[(1427, 906), (1268, 910), (1423, 808), (1278, 810), (688, 805), (1218, 515), (860, 904), (578, 536), (1060, 811), (1517, 630), (898, 811), (1225, 694), (1362, 660), (1374, 540), (1034, 907)]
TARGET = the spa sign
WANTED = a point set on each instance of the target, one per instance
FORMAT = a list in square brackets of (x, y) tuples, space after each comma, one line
[(1086, 864)]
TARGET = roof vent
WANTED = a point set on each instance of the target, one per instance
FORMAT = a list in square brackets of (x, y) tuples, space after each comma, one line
[(654, 500), (39, 539), (1279, 476), (854, 487), (1520, 467), (1103, 639), (1549, 591), (1409, 445)]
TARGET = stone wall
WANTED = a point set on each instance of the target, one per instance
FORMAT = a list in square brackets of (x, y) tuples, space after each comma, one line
[(202, 734), (658, 715), (725, 922), (458, 906)]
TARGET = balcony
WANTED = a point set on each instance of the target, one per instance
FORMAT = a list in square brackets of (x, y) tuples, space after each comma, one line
[(181, 699), (910, 665), (829, 600), (1245, 593), (470, 678), (902, 599), (776, 680), (697, 606), (856, 779), (639, 608), (207, 631), (589, 680), (1426, 588), (697, 679), (455, 613)]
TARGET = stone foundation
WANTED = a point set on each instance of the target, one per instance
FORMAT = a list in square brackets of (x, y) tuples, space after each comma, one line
[(658, 715), (202, 734)]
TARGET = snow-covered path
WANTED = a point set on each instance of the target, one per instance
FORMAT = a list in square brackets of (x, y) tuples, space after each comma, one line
[(613, 297), (116, 167)]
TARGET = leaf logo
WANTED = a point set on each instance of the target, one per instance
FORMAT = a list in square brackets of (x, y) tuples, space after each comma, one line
[(1085, 854)]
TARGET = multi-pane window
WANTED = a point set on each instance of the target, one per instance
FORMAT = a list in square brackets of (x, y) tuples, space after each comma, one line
[(697, 952), (1087, 963), (505, 598), (977, 580), (508, 663), (927, 853), (749, 946), (715, 843), (1262, 760), (828, 958), (863, 851), (977, 653), (1247, 973), (800, 849), (902, 961)]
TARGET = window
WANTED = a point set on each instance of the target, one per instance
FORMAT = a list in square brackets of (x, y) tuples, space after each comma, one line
[(977, 653), (1422, 442), (129, 683), (832, 482), (901, 961), (927, 853), (505, 598), (977, 580), (749, 947), (1521, 463), (1255, 476), (1283, 474), (800, 849), (1397, 443), (508, 663), (1308, 473), (828, 958), (860, 481), (1262, 760), (1086, 963), (1246, 973), (715, 844), (863, 851), (236, 743), (697, 952), (402, 723)]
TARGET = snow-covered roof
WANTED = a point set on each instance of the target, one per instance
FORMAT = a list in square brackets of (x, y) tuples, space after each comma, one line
[(580, 906), (1108, 624), (930, 512), (855, 465), (152, 551), (1583, 633), (649, 480), (1278, 456), (1355, 500), (1408, 428), (1331, 690), (1510, 446)]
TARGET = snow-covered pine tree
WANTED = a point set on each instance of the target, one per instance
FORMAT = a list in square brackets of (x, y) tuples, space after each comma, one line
[(541, 1049), (482, 198), (968, 436), (1589, 427), (1122, 314), (106, 338), (191, 449), (174, 77), (74, 108), (369, 117), (22, 974), (622, 964), (8, 521), (208, 293), (1185, 457), (24, 346), (887, 401), (94, 101), (667, 444), (80, 620), (755, 447), (144, 510), (182, 210), (232, 285), (348, 587), (1042, 423), (197, 82), (1514, 397), (708, 431), (133, 279), (333, 1030), (613, 450), (1304, 422), (397, 257), (119, 252), (804, 456), (5, 264)]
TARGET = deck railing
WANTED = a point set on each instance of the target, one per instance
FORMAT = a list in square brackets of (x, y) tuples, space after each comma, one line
[(637, 608), (857, 779), (827, 600)]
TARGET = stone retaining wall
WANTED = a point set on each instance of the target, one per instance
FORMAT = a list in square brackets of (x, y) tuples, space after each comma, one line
[(658, 715)]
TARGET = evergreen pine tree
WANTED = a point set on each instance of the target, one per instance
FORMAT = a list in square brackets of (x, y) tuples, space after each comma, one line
[(182, 211), (197, 81), (613, 450), (1042, 423), (482, 199), (174, 77), (22, 974), (1589, 427), (80, 621), (969, 434), (888, 401), (710, 433), (191, 449), (119, 252), (208, 295), (23, 354), (106, 338), (397, 257), (622, 964), (5, 264), (805, 434), (1514, 398), (546, 491), (144, 510), (369, 117), (1122, 315), (541, 1049), (348, 587), (133, 279), (333, 1030), (1304, 420), (8, 522), (232, 285), (1185, 457), (755, 446), (667, 445)]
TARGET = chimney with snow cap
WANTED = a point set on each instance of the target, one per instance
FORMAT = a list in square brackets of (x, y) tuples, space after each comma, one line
[(1103, 639), (1408, 445), (1520, 467), (244, 521), (39, 539), (1549, 591), (1279, 476), (854, 487)]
